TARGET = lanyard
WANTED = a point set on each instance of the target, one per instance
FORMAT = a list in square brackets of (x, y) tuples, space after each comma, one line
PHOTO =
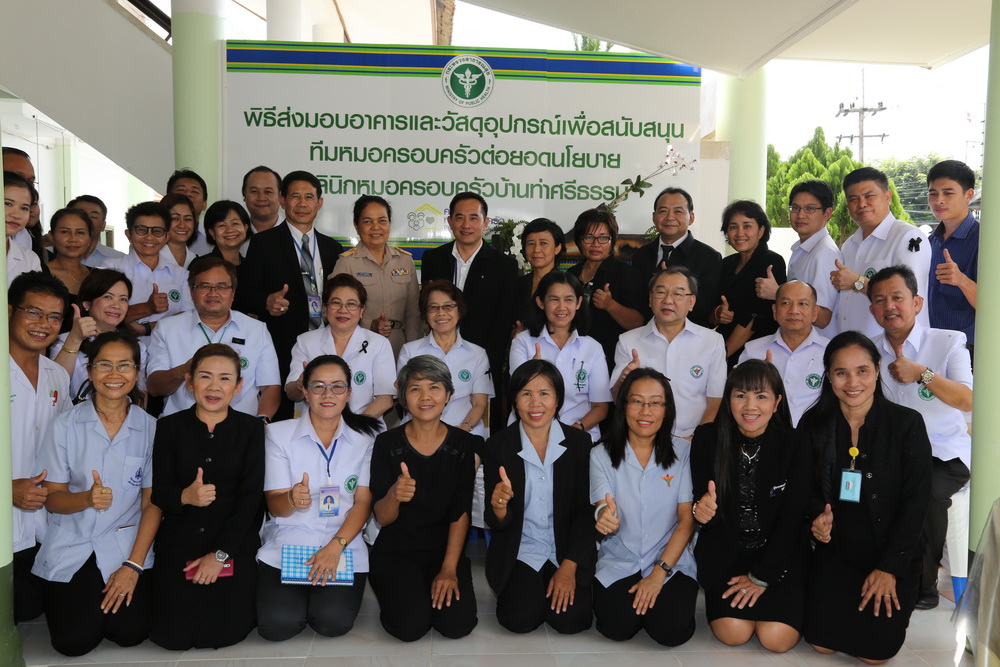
[(322, 450), (222, 332), (312, 248)]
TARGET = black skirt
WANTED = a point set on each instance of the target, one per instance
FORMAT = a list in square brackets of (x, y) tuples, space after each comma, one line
[(782, 602)]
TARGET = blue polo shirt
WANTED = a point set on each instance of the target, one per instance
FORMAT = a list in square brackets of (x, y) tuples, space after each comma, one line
[(947, 306)]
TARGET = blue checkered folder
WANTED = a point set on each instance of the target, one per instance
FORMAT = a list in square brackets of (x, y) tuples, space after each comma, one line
[(295, 571)]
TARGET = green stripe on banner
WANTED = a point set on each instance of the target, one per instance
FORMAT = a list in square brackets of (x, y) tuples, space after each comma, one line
[(560, 78)]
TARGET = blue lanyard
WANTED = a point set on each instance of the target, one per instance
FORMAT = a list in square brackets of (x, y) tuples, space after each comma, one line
[(312, 248), (322, 450)]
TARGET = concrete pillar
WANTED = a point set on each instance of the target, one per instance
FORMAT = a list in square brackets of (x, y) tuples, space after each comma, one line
[(198, 62), (286, 21), (67, 173), (742, 107), (985, 416), (330, 32)]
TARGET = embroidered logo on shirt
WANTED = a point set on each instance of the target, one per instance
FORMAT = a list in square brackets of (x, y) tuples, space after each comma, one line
[(668, 479), (581, 379), (813, 380), (174, 295), (925, 393), (351, 484), (360, 377), (53, 394), (136, 478), (399, 272), (244, 363), (869, 273), (697, 371), (464, 375)]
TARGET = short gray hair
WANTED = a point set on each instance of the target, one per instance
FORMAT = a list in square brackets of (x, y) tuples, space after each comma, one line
[(426, 366)]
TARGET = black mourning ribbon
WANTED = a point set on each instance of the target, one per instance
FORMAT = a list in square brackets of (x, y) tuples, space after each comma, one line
[(915, 244), (364, 347)]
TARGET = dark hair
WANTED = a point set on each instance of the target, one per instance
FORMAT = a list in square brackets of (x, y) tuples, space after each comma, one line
[(675, 191), (867, 174), (300, 175), (955, 170), (38, 282), (187, 173), (147, 208), (94, 347), (218, 211), (12, 179), (752, 375), (255, 170), (216, 350), (750, 209), (462, 196), (65, 212), (617, 434), (818, 189), (175, 198), (344, 280), (97, 283), (591, 218), (447, 287), (581, 321), (364, 200), (427, 367), (10, 150), (206, 263), (676, 270), (538, 226), (901, 270), (361, 423), (90, 199), (527, 372), (777, 292)]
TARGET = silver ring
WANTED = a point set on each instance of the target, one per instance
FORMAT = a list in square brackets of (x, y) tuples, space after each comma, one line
[(283, 309), (743, 590), (121, 595)]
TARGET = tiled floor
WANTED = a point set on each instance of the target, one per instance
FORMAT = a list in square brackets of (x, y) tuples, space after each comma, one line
[(930, 641)]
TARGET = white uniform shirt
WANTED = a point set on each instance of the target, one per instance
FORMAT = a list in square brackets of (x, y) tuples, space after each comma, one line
[(20, 260), (470, 374), (892, 242), (23, 238), (200, 246), (583, 367), (101, 254), (79, 375), (31, 411), (168, 277), (177, 338), (801, 370), (943, 351), (167, 256), (462, 267), (695, 364), (811, 262), (76, 444), (373, 372), (291, 447)]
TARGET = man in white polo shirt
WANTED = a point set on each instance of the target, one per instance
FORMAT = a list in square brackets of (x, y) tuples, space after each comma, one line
[(930, 371), (176, 339), (796, 348), (692, 357)]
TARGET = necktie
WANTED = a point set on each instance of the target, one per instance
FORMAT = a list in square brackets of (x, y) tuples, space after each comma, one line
[(309, 278), (667, 249)]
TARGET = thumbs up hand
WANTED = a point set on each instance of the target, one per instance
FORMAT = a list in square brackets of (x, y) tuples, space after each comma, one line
[(198, 494), (843, 278), (518, 328), (722, 312), (502, 493), (157, 300), (601, 298), (608, 521), (948, 272), (299, 496), (83, 328), (405, 487), (903, 370), (767, 287), (538, 351), (631, 366), (27, 492), (823, 525), (381, 325), (277, 304), (99, 496), (705, 509), (769, 357)]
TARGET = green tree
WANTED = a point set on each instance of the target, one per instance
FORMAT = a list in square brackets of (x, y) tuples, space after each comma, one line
[(910, 176), (587, 43)]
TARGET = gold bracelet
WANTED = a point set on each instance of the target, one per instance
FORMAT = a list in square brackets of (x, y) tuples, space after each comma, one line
[(66, 349)]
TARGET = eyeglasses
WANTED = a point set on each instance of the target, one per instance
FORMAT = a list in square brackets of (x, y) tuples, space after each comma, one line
[(639, 404), (445, 307), (209, 287), (349, 306), (107, 367), (142, 230), (35, 315), (674, 294), (809, 210), (319, 388), (599, 240)]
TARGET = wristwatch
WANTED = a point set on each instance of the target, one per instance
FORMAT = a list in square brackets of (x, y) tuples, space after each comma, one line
[(926, 377), (340, 540), (666, 568), (859, 284), (221, 556)]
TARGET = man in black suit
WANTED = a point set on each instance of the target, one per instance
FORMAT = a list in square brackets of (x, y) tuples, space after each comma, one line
[(281, 279), (673, 213), (486, 278)]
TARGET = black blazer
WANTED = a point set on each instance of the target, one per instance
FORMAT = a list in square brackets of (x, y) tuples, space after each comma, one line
[(272, 261), (740, 290), (489, 295), (573, 515), (782, 497), (704, 262), (896, 481)]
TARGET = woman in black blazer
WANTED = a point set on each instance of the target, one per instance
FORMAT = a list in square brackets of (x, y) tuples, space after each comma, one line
[(751, 475), (870, 495), (540, 561)]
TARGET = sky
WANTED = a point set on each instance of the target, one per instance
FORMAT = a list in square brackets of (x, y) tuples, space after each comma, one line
[(939, 110)]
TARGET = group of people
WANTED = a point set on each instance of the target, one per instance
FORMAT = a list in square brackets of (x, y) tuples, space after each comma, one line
[(329, 419)]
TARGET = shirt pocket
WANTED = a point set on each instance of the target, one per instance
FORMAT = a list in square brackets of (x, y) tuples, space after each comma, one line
[(133, 473)]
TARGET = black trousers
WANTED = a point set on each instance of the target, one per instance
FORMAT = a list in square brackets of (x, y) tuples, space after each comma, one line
[(77, 624), (27, 587), (670, 622), (402, 583), (522, 605), (947, 479), (283, 610)]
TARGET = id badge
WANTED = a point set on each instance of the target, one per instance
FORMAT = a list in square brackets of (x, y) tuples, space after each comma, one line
[(315, 306), (329, 501), (850, 486)]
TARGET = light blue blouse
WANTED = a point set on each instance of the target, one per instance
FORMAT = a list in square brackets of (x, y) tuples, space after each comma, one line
[(538, 539)]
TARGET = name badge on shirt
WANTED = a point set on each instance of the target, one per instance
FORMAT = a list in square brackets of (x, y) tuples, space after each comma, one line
[(850, 485), (329, 501), (315, 306)]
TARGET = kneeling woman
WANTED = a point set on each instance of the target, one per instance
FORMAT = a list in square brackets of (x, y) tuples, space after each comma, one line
[(325, 452), (752, 478), (640, 481), (540, 562), (422, 475), (208, 478), (102, 523)]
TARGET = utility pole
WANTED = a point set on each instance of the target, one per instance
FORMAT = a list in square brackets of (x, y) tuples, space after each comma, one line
[(862, 111)]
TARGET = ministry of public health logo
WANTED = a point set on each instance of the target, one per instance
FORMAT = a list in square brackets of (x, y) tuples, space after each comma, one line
[(925, 393), (174, 295), (351, 485), (467, 80), (464, 375), (360, 377), (813, 380)]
